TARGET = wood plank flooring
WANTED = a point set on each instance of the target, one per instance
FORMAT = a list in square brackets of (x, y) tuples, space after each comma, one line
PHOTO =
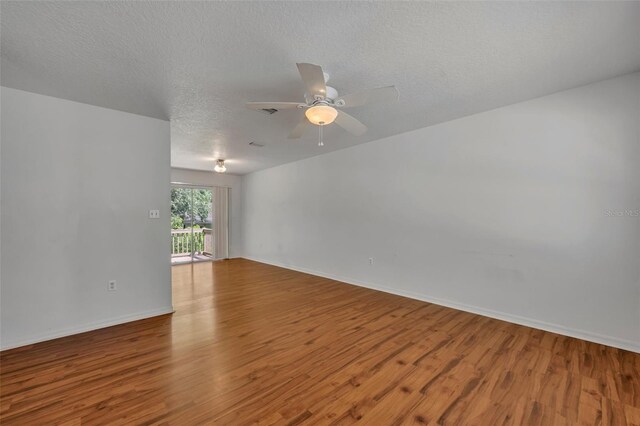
[(255, 344)]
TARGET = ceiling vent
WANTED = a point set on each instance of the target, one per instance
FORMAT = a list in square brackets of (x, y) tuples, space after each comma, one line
[(254, 143)]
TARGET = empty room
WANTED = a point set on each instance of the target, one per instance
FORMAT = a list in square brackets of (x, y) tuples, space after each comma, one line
[(319, 213)]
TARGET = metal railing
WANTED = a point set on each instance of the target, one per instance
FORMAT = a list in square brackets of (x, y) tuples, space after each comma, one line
[(184, 242)]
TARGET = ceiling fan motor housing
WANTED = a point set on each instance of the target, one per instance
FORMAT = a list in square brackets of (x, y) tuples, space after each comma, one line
[(332, 94)]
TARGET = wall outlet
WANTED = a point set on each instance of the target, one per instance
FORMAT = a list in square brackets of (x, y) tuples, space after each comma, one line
[(112, 286), (371, 261), (154, 214)]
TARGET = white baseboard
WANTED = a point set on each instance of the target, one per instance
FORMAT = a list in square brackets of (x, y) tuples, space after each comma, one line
[(83, 328), (516, 319)]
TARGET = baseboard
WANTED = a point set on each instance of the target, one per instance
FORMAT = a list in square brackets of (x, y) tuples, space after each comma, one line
[(515, 319), (84, 328)]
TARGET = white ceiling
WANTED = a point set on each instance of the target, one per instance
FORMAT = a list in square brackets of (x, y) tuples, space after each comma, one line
[(197, 63)]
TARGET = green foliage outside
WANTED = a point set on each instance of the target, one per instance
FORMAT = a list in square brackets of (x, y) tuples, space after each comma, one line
[(176, 222), (181, 206), (186, 202)]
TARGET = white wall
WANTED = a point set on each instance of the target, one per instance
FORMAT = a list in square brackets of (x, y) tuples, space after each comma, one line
[(195, 177), (516, 213), (77, 184)]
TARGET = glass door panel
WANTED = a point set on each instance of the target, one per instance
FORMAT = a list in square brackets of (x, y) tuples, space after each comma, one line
[(181, 225), (191, 224), (202, 224)]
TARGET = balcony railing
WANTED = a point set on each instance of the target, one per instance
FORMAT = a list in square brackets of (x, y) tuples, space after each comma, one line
[(183, 242)]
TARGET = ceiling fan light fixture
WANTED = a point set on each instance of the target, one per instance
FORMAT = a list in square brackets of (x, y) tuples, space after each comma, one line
[(321, 115), (220, 167)]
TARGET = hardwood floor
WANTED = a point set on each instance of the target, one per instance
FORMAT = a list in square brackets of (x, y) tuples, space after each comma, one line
[(252, 343)]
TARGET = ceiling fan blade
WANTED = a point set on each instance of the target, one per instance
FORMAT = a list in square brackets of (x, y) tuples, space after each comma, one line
[(350, 124), (298, 131), (313, 78), (381, 94), (274, 105)]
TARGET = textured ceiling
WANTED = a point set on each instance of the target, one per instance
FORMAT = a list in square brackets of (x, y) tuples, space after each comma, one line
[(197, 63)]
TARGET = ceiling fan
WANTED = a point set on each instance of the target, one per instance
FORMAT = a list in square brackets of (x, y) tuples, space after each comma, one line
[(322, 103)]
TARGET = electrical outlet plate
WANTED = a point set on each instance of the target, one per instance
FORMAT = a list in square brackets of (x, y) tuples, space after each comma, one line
[(154, 214), (112, 286)]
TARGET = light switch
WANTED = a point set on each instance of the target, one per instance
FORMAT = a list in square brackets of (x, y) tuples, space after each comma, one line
[(154, 214)]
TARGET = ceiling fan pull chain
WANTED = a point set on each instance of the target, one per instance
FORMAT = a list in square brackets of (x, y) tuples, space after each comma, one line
[(320, 142)]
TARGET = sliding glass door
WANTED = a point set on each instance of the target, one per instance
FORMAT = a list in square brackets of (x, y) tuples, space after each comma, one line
[(191, 224)]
